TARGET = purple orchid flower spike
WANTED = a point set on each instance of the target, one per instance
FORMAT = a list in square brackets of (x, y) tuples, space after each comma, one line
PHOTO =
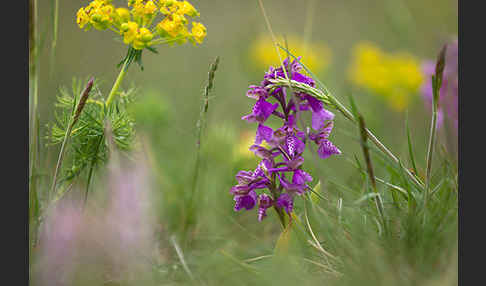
[(280, 176)]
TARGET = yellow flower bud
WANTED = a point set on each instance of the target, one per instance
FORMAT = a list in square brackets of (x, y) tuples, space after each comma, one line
[(170, 27), (149, 8), (198, 32), (185, 8), (145, 35), (168, 3), (184, 34), (82, 18), (123, 15), (179, 19), (131, 31), (124, 27)]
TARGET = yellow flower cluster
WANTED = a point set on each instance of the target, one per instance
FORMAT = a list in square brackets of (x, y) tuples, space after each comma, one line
[(396, 77), (316, 56), (135, 25)]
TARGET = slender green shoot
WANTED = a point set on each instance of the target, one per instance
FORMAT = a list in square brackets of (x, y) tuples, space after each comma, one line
[(410, 146), (55, 29), (369, 166), (436, 85), (202, 118)]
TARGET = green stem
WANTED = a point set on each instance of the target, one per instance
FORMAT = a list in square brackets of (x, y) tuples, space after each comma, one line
[(59, 161), (54, 36), (430, 152), (90, 174), (33, 120), (117, 83)]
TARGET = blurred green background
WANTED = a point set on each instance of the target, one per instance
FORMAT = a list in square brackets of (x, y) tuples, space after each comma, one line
[(171, 86)]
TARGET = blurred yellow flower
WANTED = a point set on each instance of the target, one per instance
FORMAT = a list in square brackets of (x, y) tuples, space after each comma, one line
[(241, 150), (316, 56), (396, 77)]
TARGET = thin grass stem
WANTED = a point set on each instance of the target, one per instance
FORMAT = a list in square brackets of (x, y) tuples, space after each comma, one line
[(202, 118), (436, 85), (54, 36), (74, 119), (369, 168)]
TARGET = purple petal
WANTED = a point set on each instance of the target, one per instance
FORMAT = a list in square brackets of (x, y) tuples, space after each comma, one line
[(244, 177), (303, 79), (295, 162), (263, 133), (301, 178), (326, 149), (285, 201), (320, 117), (240, 189), (262, 152), (261, 111), (245, 201), (290, 187), (256, 92), (265, 203)]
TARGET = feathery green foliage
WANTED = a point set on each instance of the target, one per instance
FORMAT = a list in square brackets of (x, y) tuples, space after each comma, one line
[(88, 146)]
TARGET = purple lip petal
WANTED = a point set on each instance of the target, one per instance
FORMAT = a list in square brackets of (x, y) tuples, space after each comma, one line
[(263, 133), (245, 201), (285, 201), (326, 149)]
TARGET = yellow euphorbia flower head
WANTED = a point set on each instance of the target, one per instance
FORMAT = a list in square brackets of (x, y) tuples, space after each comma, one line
[(135, 23)]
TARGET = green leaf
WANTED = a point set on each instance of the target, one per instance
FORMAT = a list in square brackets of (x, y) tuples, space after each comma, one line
[(315, 197), (410, 147), (283, 241)]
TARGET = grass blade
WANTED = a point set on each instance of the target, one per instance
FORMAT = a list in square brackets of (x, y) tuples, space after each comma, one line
[(410, 146), (202, 118), (436, 85)]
